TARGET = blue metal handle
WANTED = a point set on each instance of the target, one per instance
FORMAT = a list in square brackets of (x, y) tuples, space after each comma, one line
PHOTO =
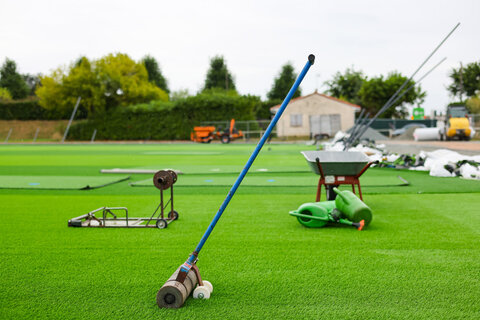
[(311, 59)]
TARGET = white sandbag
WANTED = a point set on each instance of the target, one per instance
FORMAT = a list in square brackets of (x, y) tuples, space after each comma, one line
[(392, 157), (375, 157), (338, 146), (339, 135), (438, 170), (419, 168), (469, 172), (426, 134), (447, 155)]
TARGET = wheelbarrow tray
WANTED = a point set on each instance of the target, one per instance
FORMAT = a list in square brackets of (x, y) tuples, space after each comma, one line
[(337, 163)]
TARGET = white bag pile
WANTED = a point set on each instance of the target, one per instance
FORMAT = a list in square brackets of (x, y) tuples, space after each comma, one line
[(439, 163), (447, 163)]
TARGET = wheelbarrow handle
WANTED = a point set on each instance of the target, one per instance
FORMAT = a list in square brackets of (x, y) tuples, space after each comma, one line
[(366, 167)]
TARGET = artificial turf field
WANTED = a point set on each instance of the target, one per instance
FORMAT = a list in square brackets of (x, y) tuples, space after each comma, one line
[(419, 258)]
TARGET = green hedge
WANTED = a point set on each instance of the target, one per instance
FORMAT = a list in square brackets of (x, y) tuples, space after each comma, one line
[(165, 120), (31, 110)]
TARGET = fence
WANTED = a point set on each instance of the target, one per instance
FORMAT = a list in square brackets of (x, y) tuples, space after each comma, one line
[(250, 128), (386, 125)]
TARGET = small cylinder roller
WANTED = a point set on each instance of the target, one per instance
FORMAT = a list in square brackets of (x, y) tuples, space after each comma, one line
[(174, 293), (164, 179)]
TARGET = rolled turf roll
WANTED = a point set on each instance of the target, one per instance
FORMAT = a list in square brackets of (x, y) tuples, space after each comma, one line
[(173, 293)]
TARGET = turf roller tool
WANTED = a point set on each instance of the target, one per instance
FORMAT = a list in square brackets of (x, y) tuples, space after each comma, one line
[(346, 209), (185, 279), (118, 217)]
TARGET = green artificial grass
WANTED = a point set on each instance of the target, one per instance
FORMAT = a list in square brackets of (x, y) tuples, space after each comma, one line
[(58, 182), (225, 169), (418, 259)]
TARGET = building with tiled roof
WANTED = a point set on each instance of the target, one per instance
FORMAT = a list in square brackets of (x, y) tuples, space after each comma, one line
[(315, 114)]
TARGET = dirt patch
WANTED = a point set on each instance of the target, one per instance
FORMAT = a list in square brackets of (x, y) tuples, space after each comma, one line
[(25, 130)]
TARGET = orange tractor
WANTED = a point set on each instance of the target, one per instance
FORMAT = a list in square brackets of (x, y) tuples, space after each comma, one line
[(207, 133)]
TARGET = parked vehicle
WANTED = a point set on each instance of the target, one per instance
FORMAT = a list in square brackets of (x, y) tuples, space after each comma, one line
[(208, 133), (457, 124)]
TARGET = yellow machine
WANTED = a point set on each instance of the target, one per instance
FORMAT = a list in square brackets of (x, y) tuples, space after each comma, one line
[(457, 124)]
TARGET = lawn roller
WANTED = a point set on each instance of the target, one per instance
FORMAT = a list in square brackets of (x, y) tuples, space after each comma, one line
[(185, 279), (110, 217), (346, 209)]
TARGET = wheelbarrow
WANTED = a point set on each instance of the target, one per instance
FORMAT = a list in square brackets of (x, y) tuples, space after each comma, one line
[(336, 168)]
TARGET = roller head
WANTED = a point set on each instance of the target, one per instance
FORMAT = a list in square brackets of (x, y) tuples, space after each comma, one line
[(163, 179), (174, 293)]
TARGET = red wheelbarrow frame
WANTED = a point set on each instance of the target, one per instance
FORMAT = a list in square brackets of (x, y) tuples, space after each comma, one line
[(339, 180)]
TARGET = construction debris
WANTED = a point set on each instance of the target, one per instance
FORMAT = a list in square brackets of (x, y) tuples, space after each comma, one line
[(439, 163)]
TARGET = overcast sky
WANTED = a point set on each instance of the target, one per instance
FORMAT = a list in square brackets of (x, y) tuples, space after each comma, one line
[(255, 37)]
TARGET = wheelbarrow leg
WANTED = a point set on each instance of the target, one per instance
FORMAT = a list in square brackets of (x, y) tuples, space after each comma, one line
[(359, 190), (331, 195), (319, 189)]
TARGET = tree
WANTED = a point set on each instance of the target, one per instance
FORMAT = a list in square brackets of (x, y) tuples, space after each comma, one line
[(346, 86), (376, 91), (179, 94), (283, 82), (114, 80), (218, 75), (466, 80), (32, 81), (473, 105), (5, 94), (262, 109), (154, 74), (12, 80)]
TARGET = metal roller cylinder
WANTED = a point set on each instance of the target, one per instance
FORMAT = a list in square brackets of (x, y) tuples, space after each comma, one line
[(174, 293), (352, 207), (174, 175), (163, 179)]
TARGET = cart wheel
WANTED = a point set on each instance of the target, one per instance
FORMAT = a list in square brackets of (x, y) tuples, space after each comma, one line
[(201, 292), (208, 285), (162, 224), (225, 139), (173, 215)]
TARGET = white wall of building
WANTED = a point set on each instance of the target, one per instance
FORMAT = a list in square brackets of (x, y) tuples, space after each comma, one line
[(313, 104)]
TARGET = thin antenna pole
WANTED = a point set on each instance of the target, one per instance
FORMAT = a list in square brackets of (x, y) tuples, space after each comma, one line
[(353, 135), (71, 119), (354, 128), (407, 90), (461, 82), (388, 103)]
